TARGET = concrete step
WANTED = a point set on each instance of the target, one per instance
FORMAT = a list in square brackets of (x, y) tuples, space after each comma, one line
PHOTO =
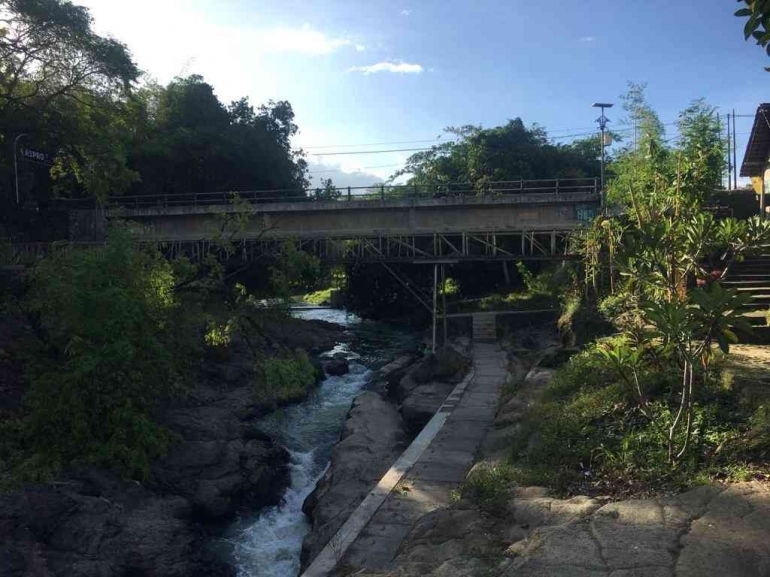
[(747, 283), (756, 318)]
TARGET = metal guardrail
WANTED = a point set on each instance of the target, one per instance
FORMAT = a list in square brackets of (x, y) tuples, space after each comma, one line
[(361, 193)]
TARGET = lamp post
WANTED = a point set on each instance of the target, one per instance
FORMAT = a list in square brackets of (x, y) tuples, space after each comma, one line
[(602, 120), (16, 164)]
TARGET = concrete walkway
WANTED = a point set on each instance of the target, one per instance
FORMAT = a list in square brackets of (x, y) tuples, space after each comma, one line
[(444, 463)]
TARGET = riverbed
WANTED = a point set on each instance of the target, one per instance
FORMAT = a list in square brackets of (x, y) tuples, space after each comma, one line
[(269, 544)]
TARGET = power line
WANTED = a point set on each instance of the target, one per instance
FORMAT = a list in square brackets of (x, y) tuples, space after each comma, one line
[(356, 170), (436, 140), (371, 151), (621, 128)]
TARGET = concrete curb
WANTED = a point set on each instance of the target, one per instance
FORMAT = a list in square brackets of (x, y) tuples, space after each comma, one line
[(335, 550)]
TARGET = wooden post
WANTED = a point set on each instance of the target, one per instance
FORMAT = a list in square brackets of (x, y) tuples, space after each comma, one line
[(382, 192), (348, 194)]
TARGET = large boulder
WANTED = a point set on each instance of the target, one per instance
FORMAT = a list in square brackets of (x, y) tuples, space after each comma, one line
[(423, 402), (219, 461), (97, 525), (373, 437), (425, 387), (337, 367)]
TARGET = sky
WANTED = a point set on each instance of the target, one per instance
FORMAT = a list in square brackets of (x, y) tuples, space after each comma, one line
[(365, 75)]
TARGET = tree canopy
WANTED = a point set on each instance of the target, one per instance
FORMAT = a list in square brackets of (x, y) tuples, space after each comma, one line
[(106, 129), (508, 152), (757, 26)]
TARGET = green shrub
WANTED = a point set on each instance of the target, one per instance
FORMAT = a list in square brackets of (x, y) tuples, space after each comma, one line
[(580, 322), (621, 310), (285, 378), (320, 297), (591, 425), (488, 486), (104, 315)]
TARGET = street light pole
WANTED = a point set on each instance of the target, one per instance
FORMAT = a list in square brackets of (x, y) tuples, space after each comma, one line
[(16, 164), (602, 120)]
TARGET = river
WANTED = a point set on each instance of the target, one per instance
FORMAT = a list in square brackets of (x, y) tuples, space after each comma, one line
[(270, 544)]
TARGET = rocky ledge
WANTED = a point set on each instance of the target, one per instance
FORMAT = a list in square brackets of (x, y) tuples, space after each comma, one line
[(426, 386)]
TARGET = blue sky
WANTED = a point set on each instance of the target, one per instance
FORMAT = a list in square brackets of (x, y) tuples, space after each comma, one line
[(361, 72)]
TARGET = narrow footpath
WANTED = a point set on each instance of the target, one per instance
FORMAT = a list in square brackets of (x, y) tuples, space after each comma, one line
[(423, 479)]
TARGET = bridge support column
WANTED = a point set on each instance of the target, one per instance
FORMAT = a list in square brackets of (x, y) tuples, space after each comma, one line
[(443, 301), (435, 289)]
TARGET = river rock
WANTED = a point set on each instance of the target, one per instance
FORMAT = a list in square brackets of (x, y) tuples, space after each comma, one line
[(426, 386), (97, 525), (372, 439), (420, 406), (337, 367)]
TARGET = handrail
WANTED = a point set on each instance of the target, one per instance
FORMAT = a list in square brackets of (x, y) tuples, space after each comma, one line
[(557, 187)]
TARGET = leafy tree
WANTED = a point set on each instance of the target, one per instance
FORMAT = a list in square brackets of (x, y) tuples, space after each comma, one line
[(509, 152), (757, 24), (66, 88), (663, 241), (293, 271), (191, 142), (327, 191), (105, 318), (49, 52)]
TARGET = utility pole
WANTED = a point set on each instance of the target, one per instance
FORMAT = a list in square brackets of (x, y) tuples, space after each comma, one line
[(602, 120), (435, 287), (735, 157), (729, 155), (16, 164)]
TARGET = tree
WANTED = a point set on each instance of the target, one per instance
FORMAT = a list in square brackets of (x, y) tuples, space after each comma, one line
[(105, 317), (191, 142), (509, 152), (66, 89), (671, 252), (49, 52), (757, 24)]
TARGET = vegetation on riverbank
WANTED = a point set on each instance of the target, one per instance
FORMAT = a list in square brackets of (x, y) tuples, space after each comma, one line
[(117, 330), (657, 403)]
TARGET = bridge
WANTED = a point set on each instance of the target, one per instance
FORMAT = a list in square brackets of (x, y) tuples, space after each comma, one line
[(511, 220)]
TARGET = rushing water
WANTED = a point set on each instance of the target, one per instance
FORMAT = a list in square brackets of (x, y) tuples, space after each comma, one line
[(269, 546)]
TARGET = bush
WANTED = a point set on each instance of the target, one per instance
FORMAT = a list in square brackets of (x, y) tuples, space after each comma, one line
[(592, 428), (580, 322), (104, 316), (622, 311), (285, 379), (488, 486)]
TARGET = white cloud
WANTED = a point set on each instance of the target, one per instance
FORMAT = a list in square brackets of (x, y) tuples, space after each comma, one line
[(303, 40), (406, 12), (348, 174), (360, 47), (396, 67), (587, 38)]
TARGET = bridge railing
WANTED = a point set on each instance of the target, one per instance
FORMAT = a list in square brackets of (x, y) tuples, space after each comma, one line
[(362, 193)]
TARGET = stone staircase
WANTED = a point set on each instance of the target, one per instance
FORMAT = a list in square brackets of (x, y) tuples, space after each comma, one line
[(484, 327), (752, 276)]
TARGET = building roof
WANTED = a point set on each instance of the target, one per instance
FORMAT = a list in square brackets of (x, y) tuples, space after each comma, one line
[(758, 148)]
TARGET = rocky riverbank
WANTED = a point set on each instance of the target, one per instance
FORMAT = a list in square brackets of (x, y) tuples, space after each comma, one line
[(378, 428), (89, 522), (501, 529)]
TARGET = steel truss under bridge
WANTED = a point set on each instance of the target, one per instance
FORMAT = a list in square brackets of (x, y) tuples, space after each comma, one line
[(429, 247)]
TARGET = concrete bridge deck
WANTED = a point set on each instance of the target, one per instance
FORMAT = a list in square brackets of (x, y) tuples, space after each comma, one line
[(528, 211)]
